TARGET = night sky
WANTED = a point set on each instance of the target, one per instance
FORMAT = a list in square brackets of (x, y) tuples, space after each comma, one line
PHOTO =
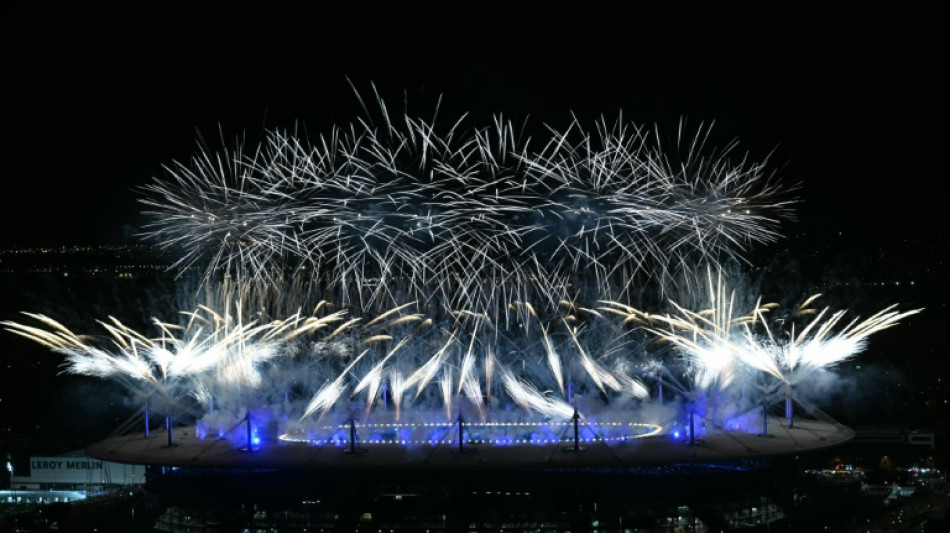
[(850, 104)]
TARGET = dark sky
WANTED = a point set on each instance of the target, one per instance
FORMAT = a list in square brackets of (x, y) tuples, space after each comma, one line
[(851, 102)]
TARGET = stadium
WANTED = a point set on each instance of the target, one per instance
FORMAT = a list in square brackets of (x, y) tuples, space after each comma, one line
[(400, 294)]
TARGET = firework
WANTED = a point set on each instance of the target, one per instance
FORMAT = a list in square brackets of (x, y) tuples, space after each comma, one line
[(398, 207), (719, 344), (460, 274)]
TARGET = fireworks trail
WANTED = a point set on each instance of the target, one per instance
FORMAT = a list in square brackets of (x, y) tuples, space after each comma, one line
[(531, 399), (327, 396)]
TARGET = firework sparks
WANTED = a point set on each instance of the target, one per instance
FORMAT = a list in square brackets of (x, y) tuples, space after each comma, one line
[(717, 341), (462, 262), (431, 211)]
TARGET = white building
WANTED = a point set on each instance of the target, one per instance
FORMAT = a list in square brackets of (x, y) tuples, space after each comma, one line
[(76, 471)]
